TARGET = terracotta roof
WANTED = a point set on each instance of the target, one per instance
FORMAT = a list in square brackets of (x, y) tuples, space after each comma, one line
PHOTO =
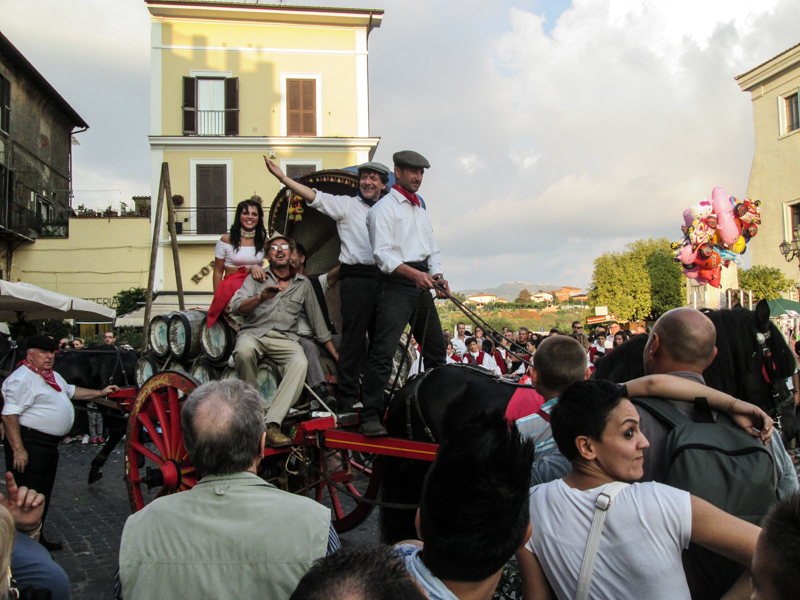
[(15, 59), (765, 62)]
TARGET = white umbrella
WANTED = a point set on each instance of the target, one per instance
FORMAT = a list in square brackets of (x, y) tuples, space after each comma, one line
[(38, 303)]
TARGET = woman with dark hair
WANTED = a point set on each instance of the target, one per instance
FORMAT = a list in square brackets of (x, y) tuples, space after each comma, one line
[(621, 337), (238, 254)]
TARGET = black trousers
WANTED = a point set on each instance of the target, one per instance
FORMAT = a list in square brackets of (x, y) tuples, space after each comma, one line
[(40, 473), (396, 303), (358, 307)]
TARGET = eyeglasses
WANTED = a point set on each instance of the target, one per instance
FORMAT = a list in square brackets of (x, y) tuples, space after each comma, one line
[(577, 326), (279, 247)]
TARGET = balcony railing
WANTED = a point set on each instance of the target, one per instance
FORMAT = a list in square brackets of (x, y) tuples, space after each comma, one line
[(203, 221), (32, 225), (210, 122)]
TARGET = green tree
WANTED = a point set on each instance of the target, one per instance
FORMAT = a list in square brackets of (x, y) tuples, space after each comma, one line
[(767, 283), (524, 297), (643, 281), (128, 300)]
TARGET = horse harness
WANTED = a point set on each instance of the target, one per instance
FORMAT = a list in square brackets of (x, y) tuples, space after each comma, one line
[(769, 371)]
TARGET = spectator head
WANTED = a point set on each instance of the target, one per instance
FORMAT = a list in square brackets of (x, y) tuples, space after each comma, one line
[(600, 337), (577, 327), (364, 573), (522, 335), (223, 427), (450, 348), (601, 329), (560, 362), (63, 344), (593, 422), (299, 257), (613, 327), (109, 338), (77, 343), (7, 535), (447, 334), (624, 363), (774, 572), (474, 513), (461, 328), (554, 331), (472, 344), (683, 339), (482, 334), (640, 329), (620, 338)]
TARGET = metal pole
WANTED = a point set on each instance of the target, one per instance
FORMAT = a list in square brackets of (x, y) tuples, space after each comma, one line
[(694, 299), (750, 293)]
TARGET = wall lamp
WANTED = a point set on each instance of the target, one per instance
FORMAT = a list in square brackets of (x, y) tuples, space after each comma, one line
[(790, 250)]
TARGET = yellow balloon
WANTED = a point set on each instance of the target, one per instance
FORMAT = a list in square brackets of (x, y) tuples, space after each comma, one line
[(739, 246)]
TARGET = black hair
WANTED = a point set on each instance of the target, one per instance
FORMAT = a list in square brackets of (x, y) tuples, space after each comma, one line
[(469, 340), (366, 573), (625, 363), (583, 410), (384, 177), (236, 228), (474, 509), (301, 250), (797, 347), (781, 534)]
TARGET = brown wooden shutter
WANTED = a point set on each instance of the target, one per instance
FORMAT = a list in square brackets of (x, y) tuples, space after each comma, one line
[(189, 106), (301, 106), (212, 199), (232, 106)]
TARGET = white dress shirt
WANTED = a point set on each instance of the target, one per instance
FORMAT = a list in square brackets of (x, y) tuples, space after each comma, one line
[(401, 232), (459, 345), (39, 405), (350, 214)]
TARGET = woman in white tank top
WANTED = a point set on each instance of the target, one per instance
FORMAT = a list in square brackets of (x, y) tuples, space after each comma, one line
[(238, 254)]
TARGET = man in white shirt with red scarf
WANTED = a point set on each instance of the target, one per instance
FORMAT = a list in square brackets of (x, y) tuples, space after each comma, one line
[(37, 414), (401, 234)]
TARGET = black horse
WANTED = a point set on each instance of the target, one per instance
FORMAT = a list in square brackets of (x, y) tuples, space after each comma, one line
[(429, 408)]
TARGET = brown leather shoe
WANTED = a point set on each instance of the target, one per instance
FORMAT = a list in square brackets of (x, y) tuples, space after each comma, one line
[(275, 439)]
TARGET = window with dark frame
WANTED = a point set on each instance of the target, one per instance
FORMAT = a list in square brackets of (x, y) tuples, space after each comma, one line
[(5, 104), (295, 171), (210, 106), (212, 199), (792, 113), (795, 218), (301, 107)]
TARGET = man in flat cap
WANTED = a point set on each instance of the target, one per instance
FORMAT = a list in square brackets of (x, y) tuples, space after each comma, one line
[(37, 414), (358, 270), (406, 253)]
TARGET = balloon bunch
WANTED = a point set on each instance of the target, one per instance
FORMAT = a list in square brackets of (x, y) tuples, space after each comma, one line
[(715, 232)]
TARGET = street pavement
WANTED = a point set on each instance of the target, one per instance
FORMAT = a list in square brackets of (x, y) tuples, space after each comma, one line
[(88, 520)]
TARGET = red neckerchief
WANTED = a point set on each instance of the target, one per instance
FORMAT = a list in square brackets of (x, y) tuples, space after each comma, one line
[(292, 273), (407, 195), (47, 374)]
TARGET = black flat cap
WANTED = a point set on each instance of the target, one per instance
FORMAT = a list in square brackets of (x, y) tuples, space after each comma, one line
[(42, 342), (409, 158)]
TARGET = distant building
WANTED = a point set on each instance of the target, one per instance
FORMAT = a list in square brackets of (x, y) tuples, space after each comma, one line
[(36, 128), (774, 88), (501, 300), (572, 291), (481, 299), (542, 297)]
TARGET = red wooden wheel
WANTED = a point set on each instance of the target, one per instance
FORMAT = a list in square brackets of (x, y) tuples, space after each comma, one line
[(158, 459), (349, 475)]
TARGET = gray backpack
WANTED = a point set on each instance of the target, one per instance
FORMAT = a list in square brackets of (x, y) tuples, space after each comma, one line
[(722, 464)]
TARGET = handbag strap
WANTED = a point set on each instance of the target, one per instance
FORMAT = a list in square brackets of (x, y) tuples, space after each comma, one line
[(602, 504)]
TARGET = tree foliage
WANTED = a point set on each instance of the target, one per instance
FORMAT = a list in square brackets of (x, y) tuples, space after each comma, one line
[(767, 283), (642, 282), (128, 300), (524, 297)]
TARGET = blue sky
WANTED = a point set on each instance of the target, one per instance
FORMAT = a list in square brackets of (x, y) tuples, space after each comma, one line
[(556, 130)]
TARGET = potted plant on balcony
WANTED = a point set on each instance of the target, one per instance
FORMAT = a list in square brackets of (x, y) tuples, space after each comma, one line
[(182, 214), (83, 212), (110, 212), (126, 211), (142, 204)]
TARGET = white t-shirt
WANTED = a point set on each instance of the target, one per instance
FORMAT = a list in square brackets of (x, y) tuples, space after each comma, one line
[(245, 256), (645, 531), (38, 405)]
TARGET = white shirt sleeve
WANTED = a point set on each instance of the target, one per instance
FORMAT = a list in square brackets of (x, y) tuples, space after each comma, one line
[(334, 206), (435, 259), (490, 363), (18, 396), (380, 222), (220, 251), (323, 282)]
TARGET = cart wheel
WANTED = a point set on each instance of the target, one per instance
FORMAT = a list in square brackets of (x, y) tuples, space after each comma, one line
[(155, 455), (359, 474)]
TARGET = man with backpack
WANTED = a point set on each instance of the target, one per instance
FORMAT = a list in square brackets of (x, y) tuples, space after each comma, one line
[(700, 451)]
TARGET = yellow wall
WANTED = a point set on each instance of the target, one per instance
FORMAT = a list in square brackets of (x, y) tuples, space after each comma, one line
[(100, 258), (775, 173), (259, 72)]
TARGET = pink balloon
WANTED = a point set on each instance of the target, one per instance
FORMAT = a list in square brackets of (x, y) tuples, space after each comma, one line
[(726, 222)]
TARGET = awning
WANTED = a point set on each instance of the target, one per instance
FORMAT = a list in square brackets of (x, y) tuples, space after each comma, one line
[(782, 306), (164, 303), (32, 302)]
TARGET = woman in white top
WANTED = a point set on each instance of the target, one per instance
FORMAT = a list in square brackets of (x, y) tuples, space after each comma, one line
[(647, 525), (237, 255)]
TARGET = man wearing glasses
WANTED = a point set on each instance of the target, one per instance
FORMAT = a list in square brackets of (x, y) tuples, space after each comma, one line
[(271, 309), (109, 339), (577, 327)]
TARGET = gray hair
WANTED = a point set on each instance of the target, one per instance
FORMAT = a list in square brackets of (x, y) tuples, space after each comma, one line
[(222, 426)]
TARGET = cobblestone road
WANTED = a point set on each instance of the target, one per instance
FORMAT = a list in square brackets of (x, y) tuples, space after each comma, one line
[(88, 520)]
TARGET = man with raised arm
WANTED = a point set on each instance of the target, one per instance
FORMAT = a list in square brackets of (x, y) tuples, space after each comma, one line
[(401, 233), (358, 270)]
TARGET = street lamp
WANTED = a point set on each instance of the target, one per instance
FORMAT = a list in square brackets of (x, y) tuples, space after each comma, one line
[(791, 249)]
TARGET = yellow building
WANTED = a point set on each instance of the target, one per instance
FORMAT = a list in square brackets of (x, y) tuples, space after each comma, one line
[(232, 82), (775, 175)]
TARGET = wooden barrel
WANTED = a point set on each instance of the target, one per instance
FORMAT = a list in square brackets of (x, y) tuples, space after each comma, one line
[(146, 367), (218, 342), (204, 371), (185, 334), (268, 380), (158, 335)]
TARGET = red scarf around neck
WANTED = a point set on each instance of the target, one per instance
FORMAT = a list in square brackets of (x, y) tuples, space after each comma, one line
[(407, 195), (47, 374), (292, 273)]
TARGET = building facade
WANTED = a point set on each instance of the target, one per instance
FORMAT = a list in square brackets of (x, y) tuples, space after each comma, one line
[(774, 87), (234, 82), (36, 128)]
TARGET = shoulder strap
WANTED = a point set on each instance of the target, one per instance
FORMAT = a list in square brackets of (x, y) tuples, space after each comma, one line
[(663, 411), (602, 504), (323, 305)]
